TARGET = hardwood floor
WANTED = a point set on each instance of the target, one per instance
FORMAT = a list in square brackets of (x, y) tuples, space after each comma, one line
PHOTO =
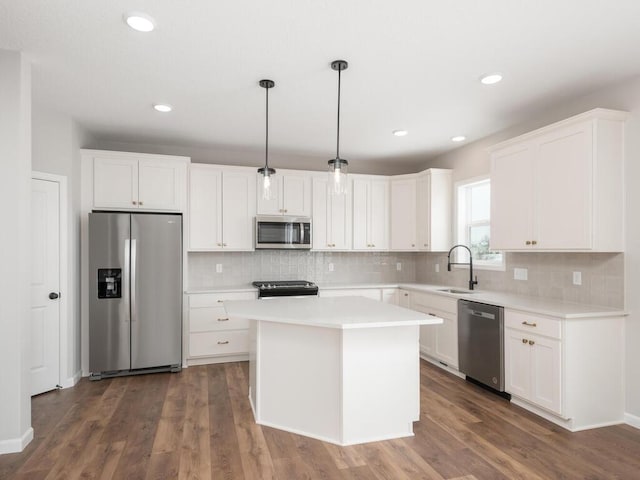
[(198, 425)]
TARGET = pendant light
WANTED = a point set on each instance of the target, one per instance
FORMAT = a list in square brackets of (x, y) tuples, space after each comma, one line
[(266, 171), (338, 166)]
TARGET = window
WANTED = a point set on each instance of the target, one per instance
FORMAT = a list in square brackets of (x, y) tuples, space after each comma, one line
[(473, 226)]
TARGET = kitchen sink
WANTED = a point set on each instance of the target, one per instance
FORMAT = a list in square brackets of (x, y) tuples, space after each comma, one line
[(455, 291)]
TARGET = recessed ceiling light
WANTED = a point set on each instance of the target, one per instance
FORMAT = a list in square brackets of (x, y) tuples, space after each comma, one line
[(458, 138), (399, 133), (163, 107), (140, 21), (491, 78)]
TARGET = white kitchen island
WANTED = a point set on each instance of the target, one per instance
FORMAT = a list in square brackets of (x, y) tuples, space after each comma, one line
[(343, 370)]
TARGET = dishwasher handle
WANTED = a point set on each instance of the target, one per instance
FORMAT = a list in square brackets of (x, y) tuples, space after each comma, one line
[(477, 313)]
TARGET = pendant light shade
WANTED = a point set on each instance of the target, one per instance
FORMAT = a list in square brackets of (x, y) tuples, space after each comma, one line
[(266, 171), (338, 166)]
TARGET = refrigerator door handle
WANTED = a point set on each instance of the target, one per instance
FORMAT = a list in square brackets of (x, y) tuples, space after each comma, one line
[(134, 309), (125, 278)]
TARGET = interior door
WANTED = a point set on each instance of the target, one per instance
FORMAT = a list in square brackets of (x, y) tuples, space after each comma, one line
[(45, 286)]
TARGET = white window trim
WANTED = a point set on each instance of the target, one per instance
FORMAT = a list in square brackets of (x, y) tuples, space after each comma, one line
[(477, 265)]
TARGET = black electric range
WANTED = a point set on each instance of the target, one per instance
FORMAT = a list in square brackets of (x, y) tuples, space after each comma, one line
[(286, 288)]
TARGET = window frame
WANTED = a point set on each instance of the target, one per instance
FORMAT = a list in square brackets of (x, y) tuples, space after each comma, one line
[(465, 223)]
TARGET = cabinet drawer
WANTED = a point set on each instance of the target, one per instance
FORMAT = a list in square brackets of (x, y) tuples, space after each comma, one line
[(425, 302), (217, 299), (530, 323), (205, 344), (214, 319)]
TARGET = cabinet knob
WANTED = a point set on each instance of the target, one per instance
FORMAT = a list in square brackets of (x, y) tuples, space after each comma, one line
[(224, 244), (528, 242), (426, 245), (413, 244), (531, 342), (406, 294), (140, 202), (223, 319), (220, 301), (223, 343), (285, 210), (373, 245), (534, 242), (219, 244), (524, 340), (134, 202)]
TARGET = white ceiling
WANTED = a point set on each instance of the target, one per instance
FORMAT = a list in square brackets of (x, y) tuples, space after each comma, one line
[(413, 64)]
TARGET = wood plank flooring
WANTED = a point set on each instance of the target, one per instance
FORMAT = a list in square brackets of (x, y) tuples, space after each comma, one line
[(198, 425)]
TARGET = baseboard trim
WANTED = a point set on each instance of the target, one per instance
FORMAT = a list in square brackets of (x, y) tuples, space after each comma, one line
[(15, 445), (72, 381), (632, 420), (439, 364)]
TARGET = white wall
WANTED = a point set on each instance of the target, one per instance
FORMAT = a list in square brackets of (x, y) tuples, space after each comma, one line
[(15, 241), (56, 143), (472, 160)]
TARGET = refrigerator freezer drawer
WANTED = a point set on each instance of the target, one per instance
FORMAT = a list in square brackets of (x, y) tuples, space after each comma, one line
[(206, 344)]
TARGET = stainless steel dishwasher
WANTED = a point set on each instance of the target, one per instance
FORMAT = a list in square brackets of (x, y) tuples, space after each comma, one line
[(481, 343)]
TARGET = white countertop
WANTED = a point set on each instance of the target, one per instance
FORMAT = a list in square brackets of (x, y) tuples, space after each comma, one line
[(341, 312), (541, 306)]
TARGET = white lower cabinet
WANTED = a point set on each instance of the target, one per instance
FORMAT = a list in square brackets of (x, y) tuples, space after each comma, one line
[(440, 342), (571, 371), (404, 298), (390, 295), (215, 337), (533, 368)]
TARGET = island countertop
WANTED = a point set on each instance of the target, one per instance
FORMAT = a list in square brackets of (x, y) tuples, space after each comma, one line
[(340, 312)]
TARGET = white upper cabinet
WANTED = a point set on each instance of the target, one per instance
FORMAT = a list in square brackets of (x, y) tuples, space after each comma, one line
[(433, 222), (332, 217), (221, 207), (421, 211), (370, 213), (403, 213), (133, 181), (561, 187), (291, 194)]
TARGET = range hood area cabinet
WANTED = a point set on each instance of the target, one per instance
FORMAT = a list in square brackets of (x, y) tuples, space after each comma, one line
[(332, 218), (291, 194), (561, 188), (370, 213), (222, 207), (421, 211), (136, 181)]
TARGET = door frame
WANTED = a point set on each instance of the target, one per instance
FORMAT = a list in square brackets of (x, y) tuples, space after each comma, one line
[(66, 378)]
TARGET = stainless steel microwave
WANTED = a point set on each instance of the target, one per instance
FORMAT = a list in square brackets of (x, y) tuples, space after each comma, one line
[(276, 232)]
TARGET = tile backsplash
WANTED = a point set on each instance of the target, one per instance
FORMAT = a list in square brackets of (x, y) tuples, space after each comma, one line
[(549, 275), (239, 268)]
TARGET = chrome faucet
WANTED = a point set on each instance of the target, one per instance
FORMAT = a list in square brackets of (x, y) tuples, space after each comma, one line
[(472, 282)]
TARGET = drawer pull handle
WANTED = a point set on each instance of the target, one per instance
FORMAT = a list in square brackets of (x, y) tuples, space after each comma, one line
[(223, 319), (220, 301), (223, 343), (531, 342), (534, 324), (524, 340)]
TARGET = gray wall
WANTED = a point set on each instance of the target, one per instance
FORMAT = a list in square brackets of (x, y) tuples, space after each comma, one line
[(15, 250)]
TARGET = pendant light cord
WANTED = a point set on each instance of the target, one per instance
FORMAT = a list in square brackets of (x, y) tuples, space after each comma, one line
[(266, 143), (338, 135)]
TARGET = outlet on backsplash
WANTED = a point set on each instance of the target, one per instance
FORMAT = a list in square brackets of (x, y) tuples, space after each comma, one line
[(331, 267), (577, 278), (437, 268), (218, 268), (399, 266), (520, 274)]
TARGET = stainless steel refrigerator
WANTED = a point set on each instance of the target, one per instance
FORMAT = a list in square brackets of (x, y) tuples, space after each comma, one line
[(135, 309)]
